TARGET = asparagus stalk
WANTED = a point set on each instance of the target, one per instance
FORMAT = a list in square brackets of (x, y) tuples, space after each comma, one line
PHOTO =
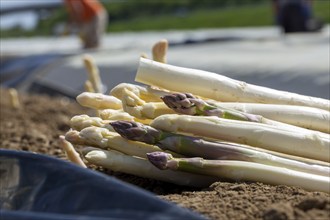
[(302, 116), (103, 138), (241, 171), (14, 100), (159, 51), (70, 152), (140, 167), (254, 134), (98, 101), (218, 87), (197, 147), (93, 73), (137, 107), (144, 55), (186, 103), (80, 122), (148, 93), (138, 132), (88, 86), (113, 115)]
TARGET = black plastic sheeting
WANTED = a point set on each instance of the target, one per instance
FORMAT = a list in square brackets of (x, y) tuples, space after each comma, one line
[(37, 187), (15, 71)]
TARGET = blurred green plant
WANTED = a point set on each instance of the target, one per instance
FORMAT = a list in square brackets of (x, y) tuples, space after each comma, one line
[(201, 18)]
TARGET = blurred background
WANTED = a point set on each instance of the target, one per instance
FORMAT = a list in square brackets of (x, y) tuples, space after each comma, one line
[(257, 41)]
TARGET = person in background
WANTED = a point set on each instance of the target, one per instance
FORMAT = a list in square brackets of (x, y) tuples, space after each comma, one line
[(91, 19), (295, 16)]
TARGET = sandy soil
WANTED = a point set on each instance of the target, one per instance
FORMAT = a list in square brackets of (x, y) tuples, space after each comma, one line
[(36, 127)]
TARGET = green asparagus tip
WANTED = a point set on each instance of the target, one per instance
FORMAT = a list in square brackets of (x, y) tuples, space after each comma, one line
[(136, 131), (159, 159)]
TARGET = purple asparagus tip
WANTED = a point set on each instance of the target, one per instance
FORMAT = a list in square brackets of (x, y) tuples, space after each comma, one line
[(136, 131), (181, 102), (178, 100), (159, 159), (128, 129)]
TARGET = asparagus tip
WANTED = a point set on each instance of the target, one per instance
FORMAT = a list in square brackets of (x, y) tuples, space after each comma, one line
[(184, 103), (127, 129), (72, 136), (136, 131), (14, 100), (159, 159)]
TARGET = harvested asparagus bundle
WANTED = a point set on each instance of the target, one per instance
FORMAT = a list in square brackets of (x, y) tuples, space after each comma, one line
[(218, 87), (241, 171), (197, 147), (185, 103), (254, 134), (103, 138), (302, 116), (98, 101), (253, 147), (137, 107), (140, 167)]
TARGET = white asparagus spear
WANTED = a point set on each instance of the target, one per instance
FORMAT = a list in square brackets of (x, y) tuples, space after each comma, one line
[(140, 167), (184, 103), (242, 171), (159, 51), (98, 101), (119, 114), (14, 100), (147, 93), (80, 122), (70, 152), (88, 86), (115, 114), (103, 138), (302, 116), (93, 73), (255, 134), (218, 87), (144, 55), (137, 107)]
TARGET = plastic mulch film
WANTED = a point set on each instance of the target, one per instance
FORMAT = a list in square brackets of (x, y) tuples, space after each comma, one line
[(34, 186)]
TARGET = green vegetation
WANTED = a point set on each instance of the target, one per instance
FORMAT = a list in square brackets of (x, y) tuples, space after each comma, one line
[(140, 15), (260, 14), (322, 10), (202, 18)]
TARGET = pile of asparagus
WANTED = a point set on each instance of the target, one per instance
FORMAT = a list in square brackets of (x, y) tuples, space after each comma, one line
[(192, 127)]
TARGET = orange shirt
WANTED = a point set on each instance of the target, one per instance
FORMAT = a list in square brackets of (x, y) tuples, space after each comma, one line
[(84, 10)]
